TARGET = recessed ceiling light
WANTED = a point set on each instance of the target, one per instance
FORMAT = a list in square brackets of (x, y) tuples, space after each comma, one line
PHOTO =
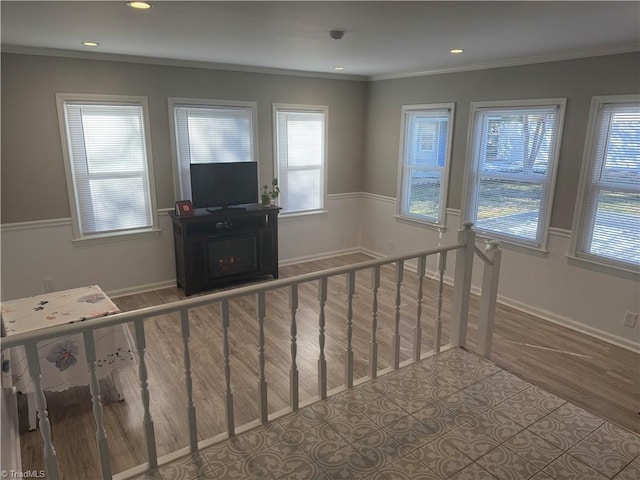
[(456, 50), (139, 5), (90, 44), (338, 68)]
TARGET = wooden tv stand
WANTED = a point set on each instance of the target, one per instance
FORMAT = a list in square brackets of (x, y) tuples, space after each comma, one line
[(223, 246)]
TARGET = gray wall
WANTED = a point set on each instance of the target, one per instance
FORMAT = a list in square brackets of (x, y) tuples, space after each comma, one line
[(33, 185), (364, 119), (577, 80)]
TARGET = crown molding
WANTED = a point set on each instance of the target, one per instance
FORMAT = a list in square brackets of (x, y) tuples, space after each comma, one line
[(171, 62), (115, 57), (555, 57)]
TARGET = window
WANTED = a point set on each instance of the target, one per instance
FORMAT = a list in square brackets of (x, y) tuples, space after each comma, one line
[(300, 144), (210, 131), (424, 161), (513, 156), (607, 221), (108, 164)]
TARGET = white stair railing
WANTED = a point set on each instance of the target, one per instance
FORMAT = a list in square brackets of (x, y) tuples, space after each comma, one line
[(462, 286)]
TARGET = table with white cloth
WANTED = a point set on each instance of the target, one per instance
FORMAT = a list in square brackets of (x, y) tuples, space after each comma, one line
[(63, 360)]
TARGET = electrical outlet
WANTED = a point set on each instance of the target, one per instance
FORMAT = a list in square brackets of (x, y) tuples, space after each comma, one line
[(630, 319), (391, 245), (49, 285)]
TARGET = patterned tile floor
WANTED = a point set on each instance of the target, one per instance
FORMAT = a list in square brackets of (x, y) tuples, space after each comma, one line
[(453, 416)]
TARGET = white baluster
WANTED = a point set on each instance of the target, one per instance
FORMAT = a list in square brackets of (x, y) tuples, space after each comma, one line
[(417, 331), (442, 266), (228, 404), (262, 382), (141, 345), (191, 408), (373, 356), (348, 366), (50, 458), (396, 331), (96, 399), (490, 279), (293, 371), (322, 362)]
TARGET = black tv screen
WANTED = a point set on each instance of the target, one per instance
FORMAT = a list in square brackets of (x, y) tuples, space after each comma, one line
[(223, 184)]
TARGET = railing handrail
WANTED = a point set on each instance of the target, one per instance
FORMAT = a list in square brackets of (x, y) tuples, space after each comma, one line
[(194, 302)]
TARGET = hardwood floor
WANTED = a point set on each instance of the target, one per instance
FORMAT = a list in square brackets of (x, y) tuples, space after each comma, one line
[(599, 377)]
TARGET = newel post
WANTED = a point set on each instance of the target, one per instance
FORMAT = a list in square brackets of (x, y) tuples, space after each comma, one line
[(462, 285), (489, 297)]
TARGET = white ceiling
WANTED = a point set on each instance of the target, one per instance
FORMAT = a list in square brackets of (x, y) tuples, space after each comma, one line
[(382, 39)]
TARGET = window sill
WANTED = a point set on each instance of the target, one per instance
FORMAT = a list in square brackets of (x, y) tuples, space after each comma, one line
[(116, 237), (421, 223), (301, 215), (603, 267)]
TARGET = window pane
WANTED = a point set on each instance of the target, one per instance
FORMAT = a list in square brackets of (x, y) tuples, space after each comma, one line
[(110, 165), (510, 208), (426, 139), (518, 142), (304, 139), (300, 151), (514, 153), (113, 139), (118, 204), (219, 139), (609, 225), (424, 193), (622, 155), (616, 228), (424, 162), (301, 190)]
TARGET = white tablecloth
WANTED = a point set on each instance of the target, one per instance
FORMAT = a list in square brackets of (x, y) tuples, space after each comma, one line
[(63, 360)]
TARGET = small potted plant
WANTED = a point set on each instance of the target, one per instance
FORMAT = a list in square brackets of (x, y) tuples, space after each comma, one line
[(269, 196)]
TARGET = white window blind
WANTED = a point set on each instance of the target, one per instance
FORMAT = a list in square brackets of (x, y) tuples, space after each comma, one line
[(425, 162), (609, 224), (211, 134), (514, 157), (300, 152), (109, 166)]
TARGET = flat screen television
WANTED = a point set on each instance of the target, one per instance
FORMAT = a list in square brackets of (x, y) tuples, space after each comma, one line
[(225, 185)]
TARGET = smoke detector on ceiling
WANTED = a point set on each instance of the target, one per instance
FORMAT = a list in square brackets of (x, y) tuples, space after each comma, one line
[(336, 34)]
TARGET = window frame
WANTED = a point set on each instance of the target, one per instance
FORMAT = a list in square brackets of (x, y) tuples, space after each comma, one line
[(401, 201), (575, 256), (471, 177), (74, 200), (301, 108), (201, 102)]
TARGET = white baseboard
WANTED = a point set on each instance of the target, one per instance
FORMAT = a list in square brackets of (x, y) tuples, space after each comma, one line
[(141, 288), (371, 252), (319, 256)]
